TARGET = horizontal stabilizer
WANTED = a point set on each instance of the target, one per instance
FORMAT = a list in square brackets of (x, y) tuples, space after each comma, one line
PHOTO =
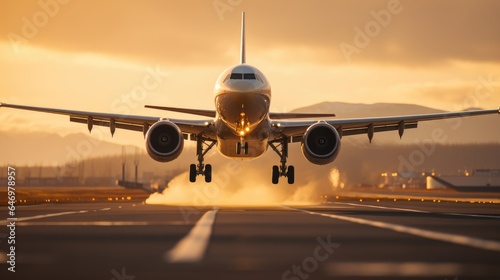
[(211, 113), (299, 115), (205, 113)]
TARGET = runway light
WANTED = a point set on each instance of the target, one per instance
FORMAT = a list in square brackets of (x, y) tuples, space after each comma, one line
[(409, 199), (360, 200), (129, 198), (378, 200), (422, 200), (394, 199), (93, 198), (110, 199)]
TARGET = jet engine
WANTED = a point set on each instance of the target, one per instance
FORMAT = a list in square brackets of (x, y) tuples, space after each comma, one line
[(164, 141), (321, 143)]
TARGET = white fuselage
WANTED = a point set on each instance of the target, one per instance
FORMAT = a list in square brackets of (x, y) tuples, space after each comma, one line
[(242, 101)]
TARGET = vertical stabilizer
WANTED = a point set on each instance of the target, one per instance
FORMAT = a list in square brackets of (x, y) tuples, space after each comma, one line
[(242, 50)]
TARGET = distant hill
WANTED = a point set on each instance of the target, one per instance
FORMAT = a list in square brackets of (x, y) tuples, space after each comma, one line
[(45, 148), (480, 129)]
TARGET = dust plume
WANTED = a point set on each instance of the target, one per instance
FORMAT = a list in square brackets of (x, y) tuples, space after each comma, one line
[(243, 183)]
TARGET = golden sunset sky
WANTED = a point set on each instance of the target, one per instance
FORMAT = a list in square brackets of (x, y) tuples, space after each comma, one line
[(95, 55)]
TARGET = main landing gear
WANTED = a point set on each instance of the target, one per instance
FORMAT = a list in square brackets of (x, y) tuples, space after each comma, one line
[(281, 148), (203, 145)]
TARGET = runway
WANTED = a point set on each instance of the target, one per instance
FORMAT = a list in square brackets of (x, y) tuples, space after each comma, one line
[(338, 239)]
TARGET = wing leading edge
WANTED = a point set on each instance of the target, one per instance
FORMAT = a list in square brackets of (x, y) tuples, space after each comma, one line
[(345, 127), (128, 122)]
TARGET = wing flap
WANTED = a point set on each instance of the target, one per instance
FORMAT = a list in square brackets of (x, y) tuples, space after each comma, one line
[(107, 123)]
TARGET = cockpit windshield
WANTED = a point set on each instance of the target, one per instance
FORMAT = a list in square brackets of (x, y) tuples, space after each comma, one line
[(236, 76), (249, 76), (244, 76)]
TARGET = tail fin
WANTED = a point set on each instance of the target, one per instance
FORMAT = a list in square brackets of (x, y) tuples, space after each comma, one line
[(242, 47)]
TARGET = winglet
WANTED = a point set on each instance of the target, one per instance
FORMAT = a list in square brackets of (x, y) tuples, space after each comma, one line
[(242, 47)]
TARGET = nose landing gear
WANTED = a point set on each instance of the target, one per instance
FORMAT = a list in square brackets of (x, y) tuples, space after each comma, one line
[(242, 147)]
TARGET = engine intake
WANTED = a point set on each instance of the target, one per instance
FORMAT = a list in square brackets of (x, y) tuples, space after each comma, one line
[(164, 141), (321, 143)]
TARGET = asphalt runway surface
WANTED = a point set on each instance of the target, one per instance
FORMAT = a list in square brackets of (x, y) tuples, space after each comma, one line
[(339, 239)]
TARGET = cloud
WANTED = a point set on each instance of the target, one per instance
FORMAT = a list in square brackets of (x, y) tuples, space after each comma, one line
[(422, 33)]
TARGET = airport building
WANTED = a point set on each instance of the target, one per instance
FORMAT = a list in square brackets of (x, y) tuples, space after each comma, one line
[(477, 180)]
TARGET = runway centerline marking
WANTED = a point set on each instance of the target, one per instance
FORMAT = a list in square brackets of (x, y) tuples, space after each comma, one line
[(429, 234), (419, 211), (192, 247), (43, 216)]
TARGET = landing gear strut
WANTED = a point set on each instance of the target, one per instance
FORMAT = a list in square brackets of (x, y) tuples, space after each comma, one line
[(281, 148), (242, 148), (203, 145)]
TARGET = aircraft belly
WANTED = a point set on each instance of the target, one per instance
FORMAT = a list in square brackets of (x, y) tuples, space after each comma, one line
[(228, 148), (227, 141)]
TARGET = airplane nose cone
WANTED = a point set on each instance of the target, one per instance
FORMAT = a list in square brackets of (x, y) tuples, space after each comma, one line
[(243, 86)]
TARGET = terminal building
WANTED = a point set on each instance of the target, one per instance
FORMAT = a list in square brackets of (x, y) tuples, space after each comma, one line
[(477, 180)]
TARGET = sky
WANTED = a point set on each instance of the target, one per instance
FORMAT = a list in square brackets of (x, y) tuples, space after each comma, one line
[(96, 55)]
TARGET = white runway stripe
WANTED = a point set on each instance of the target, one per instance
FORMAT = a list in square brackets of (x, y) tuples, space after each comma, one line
[(103, 223), (419, 211), (192, 247), (445, 237), (383, 207), (42, 216)]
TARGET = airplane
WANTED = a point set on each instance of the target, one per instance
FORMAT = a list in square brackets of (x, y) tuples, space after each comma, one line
[(242, 127)]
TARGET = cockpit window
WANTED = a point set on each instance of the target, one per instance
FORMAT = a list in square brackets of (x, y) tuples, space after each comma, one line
[(243, 76), (249, 76), (236, 76)]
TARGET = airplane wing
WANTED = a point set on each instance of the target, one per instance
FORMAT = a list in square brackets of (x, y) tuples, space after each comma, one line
[(128, 122), (345, 127), (212, 113)]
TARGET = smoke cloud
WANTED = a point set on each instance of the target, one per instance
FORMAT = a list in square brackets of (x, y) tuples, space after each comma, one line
[(244, 183)]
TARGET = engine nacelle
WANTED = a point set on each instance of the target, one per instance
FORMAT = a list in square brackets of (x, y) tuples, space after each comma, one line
[(164, 141), (321, 143)]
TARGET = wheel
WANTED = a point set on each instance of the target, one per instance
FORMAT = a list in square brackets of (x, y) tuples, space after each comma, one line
[(208, 173), (291, 174), (238, 148), (192, 173), (276, 174), (246, 148)]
